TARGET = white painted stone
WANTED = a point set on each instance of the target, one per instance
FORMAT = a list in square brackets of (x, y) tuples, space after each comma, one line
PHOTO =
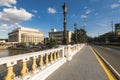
[(11, 63), (45, 71)]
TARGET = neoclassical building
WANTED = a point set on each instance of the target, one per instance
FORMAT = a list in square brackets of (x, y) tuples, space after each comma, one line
[(58, 35), (23, 34)]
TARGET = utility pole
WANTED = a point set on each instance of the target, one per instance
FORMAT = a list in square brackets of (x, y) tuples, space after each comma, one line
[(112, 26)]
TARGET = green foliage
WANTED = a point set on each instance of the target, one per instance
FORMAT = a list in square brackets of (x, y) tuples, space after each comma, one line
[(23, 43), (79, 36), (107, 38), (52, 43), (31, 43)]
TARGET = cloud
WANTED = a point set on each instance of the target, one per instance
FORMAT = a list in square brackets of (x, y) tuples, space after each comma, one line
[(38, 16), (96, 13), (52, 10), (85, 7), (7, 3), (34, 11), (104, 26), (4, 27), (73, 15), (88, 11), (9, 26), (14, 15), (116, 5), (119, 1), (85, 15)]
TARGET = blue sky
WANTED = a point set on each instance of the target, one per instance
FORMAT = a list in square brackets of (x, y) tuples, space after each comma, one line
[(47, 14)]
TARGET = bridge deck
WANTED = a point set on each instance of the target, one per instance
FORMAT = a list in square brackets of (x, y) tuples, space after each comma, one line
[(83, 66)]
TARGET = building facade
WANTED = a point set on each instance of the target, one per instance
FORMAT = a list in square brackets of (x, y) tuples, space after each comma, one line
[(26, 35), (58, 35), (117, 29)]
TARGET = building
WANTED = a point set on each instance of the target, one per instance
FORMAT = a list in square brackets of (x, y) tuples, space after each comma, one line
[(26, 35), (117, 29), (3, 40), (46, 40), (58, 35)]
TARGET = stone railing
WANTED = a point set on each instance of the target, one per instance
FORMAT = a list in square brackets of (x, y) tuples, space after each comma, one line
[(36, 65)]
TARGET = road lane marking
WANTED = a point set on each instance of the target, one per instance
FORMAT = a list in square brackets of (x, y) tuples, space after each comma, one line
[(103, 66), (115, 71)]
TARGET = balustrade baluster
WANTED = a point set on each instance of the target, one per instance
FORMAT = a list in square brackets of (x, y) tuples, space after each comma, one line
[(54, 56), (24, 70), (10, 74), (41, 62), (46, 59), (58, 55), (51, 57), (34, 65)]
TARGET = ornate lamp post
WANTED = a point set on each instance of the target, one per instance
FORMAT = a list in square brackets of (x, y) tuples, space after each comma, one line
[(65, 24)]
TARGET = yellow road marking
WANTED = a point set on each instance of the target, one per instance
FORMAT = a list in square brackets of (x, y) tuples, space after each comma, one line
[(103, 66)]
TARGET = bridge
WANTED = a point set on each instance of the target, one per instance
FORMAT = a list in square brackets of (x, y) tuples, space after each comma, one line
[(70, 62)]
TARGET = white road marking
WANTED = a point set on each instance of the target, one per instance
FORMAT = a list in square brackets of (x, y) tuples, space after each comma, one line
[(108, 64)]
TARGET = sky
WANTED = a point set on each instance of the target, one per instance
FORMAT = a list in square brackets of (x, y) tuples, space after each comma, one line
[(96, 15)]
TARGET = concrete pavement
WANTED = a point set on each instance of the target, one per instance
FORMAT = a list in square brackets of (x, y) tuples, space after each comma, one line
[(83, 66), (111, 55)]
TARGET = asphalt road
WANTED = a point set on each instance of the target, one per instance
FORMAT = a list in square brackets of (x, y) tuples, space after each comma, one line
[(83, 66), (111, 54)]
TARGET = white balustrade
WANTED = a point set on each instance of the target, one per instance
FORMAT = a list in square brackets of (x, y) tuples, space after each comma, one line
[(49, 61)]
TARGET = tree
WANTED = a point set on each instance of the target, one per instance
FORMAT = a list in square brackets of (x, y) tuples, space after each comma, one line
[(52, 43), (107, 37), (81, 36)]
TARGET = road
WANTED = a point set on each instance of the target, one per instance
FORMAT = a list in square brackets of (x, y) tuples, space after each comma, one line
[(111, 54), (83, 66)]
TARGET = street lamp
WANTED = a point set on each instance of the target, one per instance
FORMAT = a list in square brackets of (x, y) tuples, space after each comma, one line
[(65, 42)]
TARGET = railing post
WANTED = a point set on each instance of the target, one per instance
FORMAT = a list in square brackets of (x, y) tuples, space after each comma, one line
[(69, 56), (34, 65), (58, 54), (10, 74), (54, 56), (41, 62), (51, 57), (63, 50), (24, 71), (77, 47), (46, 59)]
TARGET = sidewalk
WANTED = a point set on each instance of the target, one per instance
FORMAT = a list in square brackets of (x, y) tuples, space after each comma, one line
[(83, 66)]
